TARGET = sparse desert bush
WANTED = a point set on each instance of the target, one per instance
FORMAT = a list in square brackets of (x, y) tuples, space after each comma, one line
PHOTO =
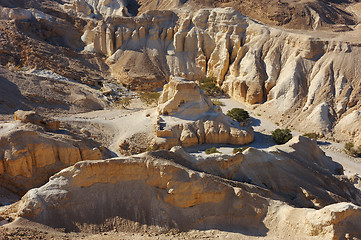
[(217, 102), (150, 98), (123, 102), (153, 147), (212, 150), (350, 149), (312, 135), (281, 136), (237, 150), (209, 86), (238, 114)]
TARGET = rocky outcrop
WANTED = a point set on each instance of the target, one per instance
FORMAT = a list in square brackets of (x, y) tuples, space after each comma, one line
[(286, 170), (98, 8), (336, 221), (292, 75), (152, 190), (316, 15), (34, 118), (187, 117), (107, 194), (29, 155), (15, 14), (350, 125)]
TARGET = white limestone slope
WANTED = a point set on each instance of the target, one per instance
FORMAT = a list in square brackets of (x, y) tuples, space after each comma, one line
[(313, 81), (160, 191)]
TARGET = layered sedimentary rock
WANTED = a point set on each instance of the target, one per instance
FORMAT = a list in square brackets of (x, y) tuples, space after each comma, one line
[(30, 155), (95, 8), (152, 189), (312, 81), (286, 169), (336, 221), (187, 117)]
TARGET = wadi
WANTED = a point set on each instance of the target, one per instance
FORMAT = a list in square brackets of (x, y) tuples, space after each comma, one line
[(143, 119)]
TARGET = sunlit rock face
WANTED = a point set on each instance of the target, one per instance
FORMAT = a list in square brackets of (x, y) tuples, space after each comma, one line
[(187, 117), (292, 74), (131, 192)]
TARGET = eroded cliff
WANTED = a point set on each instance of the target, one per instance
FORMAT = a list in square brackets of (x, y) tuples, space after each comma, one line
[(312, 82)]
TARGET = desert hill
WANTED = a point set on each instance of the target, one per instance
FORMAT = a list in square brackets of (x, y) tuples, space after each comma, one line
[(85, 154)]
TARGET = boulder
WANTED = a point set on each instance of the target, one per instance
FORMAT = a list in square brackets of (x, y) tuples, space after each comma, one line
[(29, 156), (187, 117), (34, 118)]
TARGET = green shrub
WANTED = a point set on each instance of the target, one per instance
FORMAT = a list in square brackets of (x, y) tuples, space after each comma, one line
[(153, 147), (216, 102), (312, 135), (212, 150), (237, 150), (281, 136), (350, 149), (349, 146), (123, 102), (209, 86), (150, 98), (238, 114)]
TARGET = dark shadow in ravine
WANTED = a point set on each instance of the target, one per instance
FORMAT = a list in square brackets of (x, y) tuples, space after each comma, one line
[(261, 141), (254, 122), (11, 98), (323, 143)]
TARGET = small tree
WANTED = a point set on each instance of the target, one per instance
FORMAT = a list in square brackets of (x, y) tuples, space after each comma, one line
[(212, 150), (238, 114), (124, 102), (209, 86), (237, 150), (150, 98), (350, 149), (216, 102), (281, 136), (312, 135)]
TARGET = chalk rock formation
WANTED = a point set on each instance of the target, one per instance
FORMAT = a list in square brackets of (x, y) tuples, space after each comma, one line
[(300, 161), (350, 125), (336, 221), (29, 155), (151, 189), (188, 117), (106, 194), (291, 74), (102, 8)]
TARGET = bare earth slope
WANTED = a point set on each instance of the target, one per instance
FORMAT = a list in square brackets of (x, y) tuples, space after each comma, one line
[(305, 14), (48, 94)]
